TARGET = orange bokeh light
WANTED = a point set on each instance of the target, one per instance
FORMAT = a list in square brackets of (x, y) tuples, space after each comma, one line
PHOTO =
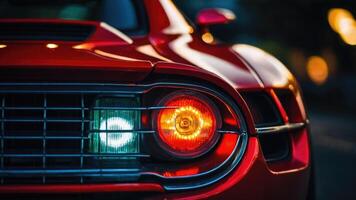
[(207, 38), (317, 69)]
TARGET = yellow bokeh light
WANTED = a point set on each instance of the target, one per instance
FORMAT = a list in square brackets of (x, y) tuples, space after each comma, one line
[(52, 46), (207, 38), (343, 22), (317, 69), (3, 46), (350, 37), (337, 18)]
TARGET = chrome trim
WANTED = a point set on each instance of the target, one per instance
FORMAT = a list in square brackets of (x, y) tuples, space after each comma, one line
[(231, 132), (41, 108), (2, 161), (57, 172), (135, 108), (122, 131), (281, 128), (77, 155)]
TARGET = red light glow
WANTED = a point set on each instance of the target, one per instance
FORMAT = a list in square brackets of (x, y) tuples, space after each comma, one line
[(232, 122), (182, 172), (188, 129), (229, 141)]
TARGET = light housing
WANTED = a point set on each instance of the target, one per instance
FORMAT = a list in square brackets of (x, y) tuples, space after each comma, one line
[(112, 127), (187, 126)]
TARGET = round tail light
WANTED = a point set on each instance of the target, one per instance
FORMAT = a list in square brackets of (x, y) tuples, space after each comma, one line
[(187, 128)]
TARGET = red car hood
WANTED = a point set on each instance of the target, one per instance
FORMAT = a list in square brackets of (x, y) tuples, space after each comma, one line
[(37, 58)]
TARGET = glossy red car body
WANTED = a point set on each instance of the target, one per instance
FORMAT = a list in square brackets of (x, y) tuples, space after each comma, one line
[(173, 47)]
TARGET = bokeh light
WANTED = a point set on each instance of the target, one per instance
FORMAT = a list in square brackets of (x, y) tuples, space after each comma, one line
[(317, 69), (207, 38), (343, 22)]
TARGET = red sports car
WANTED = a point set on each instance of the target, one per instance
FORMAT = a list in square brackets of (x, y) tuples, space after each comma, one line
[(127, 99)]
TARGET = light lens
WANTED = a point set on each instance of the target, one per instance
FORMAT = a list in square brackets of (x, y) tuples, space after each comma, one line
[(116, 140), (187, 128), (112, 128)]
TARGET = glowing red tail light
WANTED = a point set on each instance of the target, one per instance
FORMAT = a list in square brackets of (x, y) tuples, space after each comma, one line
[(188, 128)]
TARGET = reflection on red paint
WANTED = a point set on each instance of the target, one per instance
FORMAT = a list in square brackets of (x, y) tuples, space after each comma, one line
[(280, 106), (231, 122), (52, 46), (229, 141), (145, 120), (223, 150), (212, 16), (84, 46), (182, 172)]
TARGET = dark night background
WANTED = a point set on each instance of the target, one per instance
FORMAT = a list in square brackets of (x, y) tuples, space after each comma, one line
[(323, 59)]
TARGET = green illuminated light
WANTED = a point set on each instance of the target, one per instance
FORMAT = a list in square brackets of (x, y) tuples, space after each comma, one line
[(112, 129)]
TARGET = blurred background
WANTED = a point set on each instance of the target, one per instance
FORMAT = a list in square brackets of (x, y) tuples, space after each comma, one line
[(316, 40)]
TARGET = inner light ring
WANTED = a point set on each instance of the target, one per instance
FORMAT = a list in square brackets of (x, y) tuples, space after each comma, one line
[(196, 133)]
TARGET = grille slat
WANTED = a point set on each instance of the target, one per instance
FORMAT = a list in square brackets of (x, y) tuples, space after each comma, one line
[(77, 155), (40, 108), (44, 135), (82, 103), (2, 135), (78, 172), (46, 120)]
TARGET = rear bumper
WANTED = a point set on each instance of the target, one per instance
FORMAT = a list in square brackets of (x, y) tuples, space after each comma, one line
[(253, 179)]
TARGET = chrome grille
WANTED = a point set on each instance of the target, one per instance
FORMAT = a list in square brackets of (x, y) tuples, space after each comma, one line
[(44, 137)]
